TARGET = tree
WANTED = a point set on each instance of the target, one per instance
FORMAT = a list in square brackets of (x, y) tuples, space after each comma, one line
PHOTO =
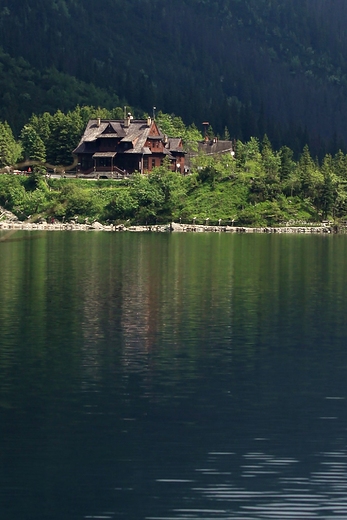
[(149, 197), (340, 165), (10, 150), (226, 135), (33, 146), (122, 206), (328, 190), (171, 185), (77, 200), (173, 126), (287, 164), (271, 161), (249, 158), (42, 125), (308, 173), (65, 132)]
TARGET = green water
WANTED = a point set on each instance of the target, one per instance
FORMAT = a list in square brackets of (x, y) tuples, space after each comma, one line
[(172, 376)]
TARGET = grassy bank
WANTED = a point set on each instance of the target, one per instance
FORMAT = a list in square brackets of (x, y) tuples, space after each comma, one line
[(258, 187)]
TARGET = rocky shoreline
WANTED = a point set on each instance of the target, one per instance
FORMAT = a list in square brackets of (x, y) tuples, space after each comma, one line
[(243, 229), (17, 225)]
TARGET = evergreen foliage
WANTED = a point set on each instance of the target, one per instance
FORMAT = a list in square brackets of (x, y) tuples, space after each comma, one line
[(173, 126), (259, 186), (32, 144), (248, 67), (10, 150)]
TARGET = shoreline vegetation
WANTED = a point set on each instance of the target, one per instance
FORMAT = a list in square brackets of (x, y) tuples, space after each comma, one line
[(253, 187)]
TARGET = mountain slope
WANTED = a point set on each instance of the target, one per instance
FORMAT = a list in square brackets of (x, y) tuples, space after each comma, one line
[(253, 66)]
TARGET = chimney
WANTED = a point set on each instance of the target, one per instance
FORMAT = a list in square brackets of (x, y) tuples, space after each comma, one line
[(127, 120), (205, 125), (149, 121), (98, 122)]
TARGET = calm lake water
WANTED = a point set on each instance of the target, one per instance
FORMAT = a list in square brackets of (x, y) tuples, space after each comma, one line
[(158, 376)]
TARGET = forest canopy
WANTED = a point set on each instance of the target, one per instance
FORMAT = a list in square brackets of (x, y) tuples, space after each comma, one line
[(270, 75), (251, 66)]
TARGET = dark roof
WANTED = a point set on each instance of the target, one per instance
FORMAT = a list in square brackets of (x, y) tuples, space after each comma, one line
[(104, 154), (109, 136), (215, 146), (174, 144), (136, 132), (168, 154)]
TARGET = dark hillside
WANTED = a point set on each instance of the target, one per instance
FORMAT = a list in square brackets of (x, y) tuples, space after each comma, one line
[(253, 66)]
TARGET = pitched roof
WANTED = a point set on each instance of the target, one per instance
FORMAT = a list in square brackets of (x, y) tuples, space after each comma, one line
[(136, 132), (174, 144), (104, 154), (215, 146)]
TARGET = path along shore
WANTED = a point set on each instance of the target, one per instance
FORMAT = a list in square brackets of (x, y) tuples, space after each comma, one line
[(172, 227)]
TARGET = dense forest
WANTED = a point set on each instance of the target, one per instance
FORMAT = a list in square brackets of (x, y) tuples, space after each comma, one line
[(269, 74), (251, 66)]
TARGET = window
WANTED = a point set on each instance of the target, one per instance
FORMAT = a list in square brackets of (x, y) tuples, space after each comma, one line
[(153, 163)]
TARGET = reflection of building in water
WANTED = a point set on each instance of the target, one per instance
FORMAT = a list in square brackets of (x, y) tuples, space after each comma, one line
[(167, 302), (145, 300), (92, 333), (139, 320), (100, 299), (119, 293)]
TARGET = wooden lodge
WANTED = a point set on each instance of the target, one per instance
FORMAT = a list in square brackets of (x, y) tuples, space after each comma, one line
[(118, 148)]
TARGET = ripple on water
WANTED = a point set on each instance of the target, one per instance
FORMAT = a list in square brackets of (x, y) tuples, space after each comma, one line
[(321, 494)]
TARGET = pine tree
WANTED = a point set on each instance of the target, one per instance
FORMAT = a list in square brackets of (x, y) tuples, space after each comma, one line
[(287, 163), (33, 146), (271, 161), (340, 165), (65, 132), (10, 150), (327, 193), (307, 168), (226, 135)]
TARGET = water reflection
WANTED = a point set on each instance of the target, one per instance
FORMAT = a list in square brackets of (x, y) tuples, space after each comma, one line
[(167, 376), (277, 489)]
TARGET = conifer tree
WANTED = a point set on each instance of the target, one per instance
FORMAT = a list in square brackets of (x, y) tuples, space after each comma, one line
[(307, 169), (271, 161), (340, 165), (226, 135), (33, 146), (10, 150), (287, 163)]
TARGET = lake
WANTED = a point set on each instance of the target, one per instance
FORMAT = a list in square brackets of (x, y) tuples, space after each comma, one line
[(173, 376)]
